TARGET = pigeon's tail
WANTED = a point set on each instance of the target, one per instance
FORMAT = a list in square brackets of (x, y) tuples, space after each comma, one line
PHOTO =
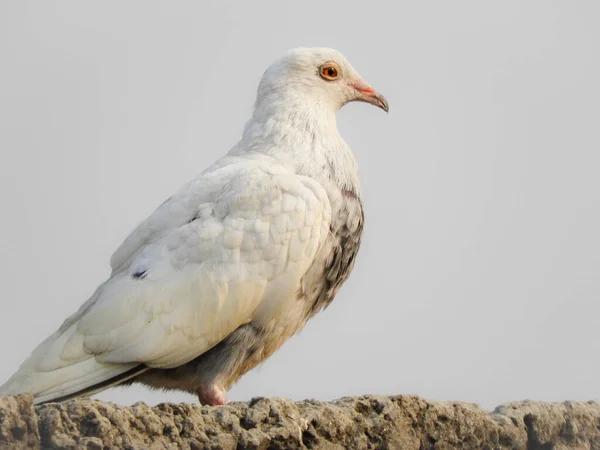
[(56, 371), (94, 389)]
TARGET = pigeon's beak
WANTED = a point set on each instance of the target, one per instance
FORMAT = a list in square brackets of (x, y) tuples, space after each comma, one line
[(367, 94)]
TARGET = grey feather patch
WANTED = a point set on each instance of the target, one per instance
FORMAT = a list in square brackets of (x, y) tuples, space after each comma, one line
[(320, 286)]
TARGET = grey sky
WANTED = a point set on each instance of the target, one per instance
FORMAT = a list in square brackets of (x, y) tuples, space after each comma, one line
[(478, 275)]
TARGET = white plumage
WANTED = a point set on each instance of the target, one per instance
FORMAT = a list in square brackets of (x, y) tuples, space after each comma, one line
[(234, 263)]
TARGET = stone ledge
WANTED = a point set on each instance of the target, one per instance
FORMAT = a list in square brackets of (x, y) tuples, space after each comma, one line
[(397, 422)]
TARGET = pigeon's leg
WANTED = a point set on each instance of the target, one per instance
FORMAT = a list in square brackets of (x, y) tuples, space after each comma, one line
[(212, 373), (209, 394)]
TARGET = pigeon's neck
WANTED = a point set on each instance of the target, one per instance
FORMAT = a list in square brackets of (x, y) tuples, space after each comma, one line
[(304, 135)]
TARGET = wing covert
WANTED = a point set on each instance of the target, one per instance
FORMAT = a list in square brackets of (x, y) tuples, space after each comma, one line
[(203, 279)]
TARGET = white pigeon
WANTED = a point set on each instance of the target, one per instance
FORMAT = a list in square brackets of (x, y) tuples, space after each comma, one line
[(232, 265)]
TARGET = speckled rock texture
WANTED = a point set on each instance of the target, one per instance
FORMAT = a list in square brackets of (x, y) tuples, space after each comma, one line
[(369, 422)]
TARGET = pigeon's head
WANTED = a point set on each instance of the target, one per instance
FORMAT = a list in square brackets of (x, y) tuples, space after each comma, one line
[(319, 75)]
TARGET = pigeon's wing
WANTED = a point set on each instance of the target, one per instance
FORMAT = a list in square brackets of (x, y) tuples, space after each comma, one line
[(173, 213), (184, 287)]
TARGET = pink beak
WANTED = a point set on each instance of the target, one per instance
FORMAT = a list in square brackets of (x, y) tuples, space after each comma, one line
[(369, 95)]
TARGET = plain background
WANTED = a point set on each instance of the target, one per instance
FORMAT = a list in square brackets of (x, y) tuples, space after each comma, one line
[(478, 275)]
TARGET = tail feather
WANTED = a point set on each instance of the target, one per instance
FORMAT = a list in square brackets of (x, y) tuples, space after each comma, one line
[(59, 369), (93, 389)]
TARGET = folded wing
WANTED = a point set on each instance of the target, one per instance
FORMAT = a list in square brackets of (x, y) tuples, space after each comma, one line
[(193, 272)]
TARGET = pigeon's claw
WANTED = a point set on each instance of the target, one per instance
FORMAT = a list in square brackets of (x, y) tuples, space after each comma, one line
[(211, 395)]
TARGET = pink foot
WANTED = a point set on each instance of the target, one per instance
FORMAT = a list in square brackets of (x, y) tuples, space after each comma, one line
[(209, 394)]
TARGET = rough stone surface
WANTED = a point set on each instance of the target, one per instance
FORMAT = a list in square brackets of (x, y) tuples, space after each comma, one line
[(369, 422), (18, 423)]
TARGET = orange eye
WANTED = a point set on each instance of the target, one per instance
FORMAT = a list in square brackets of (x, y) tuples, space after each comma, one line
[(329, 71)]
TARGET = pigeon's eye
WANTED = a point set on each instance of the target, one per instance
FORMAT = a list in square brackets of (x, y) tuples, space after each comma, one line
[(330, 71)]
